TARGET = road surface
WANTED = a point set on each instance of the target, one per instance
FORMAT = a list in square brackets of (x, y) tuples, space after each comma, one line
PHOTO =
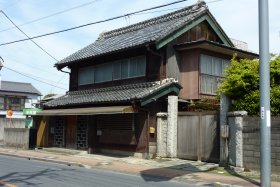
[(23, 172)]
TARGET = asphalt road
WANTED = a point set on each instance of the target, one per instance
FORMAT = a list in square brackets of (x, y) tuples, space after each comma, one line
[(23, 172)]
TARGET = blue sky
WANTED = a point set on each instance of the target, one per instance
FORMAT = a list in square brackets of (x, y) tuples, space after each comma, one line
[(238, 18)]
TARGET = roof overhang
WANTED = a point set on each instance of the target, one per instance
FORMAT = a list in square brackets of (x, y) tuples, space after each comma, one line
[(216, 47), (205, 17), (88, 111), (173, 88), (60, 65)]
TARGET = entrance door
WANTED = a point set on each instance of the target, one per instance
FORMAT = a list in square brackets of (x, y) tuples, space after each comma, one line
[(71, 131)]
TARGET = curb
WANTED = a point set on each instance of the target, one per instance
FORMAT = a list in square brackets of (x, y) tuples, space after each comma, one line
[(47, 160), (75, 164)]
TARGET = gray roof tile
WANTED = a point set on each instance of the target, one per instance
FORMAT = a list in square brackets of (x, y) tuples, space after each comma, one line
[(19, 87), (117, 94), (138, 34)]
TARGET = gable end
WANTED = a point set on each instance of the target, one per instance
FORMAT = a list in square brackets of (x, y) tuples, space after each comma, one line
[(207, 18)]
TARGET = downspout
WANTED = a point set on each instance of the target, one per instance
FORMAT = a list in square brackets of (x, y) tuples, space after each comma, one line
[(63, 71)]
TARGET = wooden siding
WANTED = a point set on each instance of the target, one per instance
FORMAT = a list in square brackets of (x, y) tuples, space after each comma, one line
[(172, 62), (92, 136), (184, 66), (189, 78), (71, 131)]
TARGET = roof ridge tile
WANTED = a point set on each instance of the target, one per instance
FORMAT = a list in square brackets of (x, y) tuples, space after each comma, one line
[(160, 19)]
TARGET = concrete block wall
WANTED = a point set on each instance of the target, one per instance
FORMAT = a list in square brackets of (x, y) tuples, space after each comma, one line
[(16, 137), (10, 123), (244, 142), (251, 143)]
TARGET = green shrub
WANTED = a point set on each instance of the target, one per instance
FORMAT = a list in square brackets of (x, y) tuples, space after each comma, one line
[(241, 83)]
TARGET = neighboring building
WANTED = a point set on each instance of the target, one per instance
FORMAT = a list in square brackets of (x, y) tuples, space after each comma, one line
[(119, 83), (17, 96)]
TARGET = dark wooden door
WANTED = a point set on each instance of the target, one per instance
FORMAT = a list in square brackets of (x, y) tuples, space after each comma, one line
[(71, 131)]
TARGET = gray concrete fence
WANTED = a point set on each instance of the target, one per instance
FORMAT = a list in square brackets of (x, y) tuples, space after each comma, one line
[(244, 142), (16, 137), (10, 123)]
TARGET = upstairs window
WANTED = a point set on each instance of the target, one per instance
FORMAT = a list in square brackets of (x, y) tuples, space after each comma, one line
[(86, 75), (103, 73), (15, 103), (117, 70), (211, 72)]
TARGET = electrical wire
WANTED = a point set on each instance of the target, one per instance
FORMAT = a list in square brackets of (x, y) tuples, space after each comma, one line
[(151, 12), (28, 36), (51, 15), (58, 82), (93, 23), (23, 74), (56, 85)]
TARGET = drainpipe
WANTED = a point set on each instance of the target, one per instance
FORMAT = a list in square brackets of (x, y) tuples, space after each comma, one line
[(64, 71), (1, 65)]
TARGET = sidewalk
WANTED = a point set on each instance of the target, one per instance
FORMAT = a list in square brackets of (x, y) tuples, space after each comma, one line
[(165, 169)]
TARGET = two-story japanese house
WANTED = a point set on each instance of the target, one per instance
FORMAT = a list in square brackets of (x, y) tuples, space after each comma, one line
[(120, 82)]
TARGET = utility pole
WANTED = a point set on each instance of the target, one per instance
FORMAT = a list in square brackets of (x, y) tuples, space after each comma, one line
[(1, 66), (265, 122)]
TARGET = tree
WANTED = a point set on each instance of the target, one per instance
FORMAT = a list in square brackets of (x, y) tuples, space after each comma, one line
[(49, 95), (241, 84)]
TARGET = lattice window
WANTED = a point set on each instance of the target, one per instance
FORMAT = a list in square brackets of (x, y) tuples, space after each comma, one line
[(59, 126), (82, 128)]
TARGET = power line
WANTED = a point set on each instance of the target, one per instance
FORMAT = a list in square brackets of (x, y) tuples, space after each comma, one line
[(28, 36), (93, 23), (42, 78), (51, 15), (58, 82), (33, 42), (207, 2), (23, 74), (33, 67)]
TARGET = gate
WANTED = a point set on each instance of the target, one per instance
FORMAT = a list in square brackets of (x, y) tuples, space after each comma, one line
[(198, 136)]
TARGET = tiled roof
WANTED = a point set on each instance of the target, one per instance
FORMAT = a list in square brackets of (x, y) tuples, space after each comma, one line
[(117, 94), (19, 87), (142, 33)]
